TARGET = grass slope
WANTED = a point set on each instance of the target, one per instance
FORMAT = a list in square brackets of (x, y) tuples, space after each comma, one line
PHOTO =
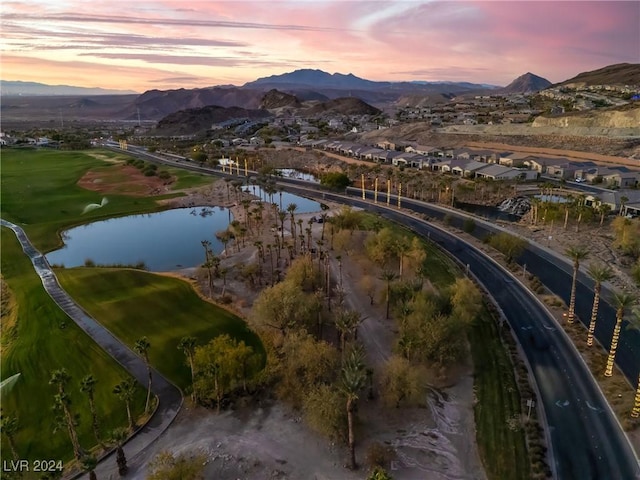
[(502, 449), (45, 339), (132, 304)]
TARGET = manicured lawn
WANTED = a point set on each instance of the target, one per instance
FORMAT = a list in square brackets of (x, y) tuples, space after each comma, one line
[(133, 304), (45, 340), (188, 179), (39, 192), (502, 449)]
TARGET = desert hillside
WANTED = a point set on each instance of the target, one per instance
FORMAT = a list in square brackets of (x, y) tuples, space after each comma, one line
[(627, 118)]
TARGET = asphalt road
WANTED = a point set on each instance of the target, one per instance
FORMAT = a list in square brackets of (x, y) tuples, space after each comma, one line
[(169, 396)]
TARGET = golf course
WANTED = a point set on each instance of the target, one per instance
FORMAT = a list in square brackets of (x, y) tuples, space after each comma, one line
[(40, 192)]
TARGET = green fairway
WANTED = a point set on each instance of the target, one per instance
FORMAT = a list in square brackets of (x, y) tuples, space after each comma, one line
[(44, 339), (187, 179), (39, 192), (133, 304)]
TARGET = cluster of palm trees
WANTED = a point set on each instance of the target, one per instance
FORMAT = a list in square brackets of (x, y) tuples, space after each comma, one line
[(621, 301), (67, 419)]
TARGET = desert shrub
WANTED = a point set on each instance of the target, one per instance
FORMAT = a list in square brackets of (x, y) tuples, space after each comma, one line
[(335, 180), (469, 225), (509, 245)]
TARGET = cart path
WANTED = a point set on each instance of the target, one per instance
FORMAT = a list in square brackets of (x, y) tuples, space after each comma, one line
[(169, 396)]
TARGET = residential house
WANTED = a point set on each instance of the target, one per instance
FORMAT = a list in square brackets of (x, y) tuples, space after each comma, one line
[(566, 170), (467, 168), (621, 179), (515, 159), (427, 150), (497, 172), (386, 145), (539, 164), (410, 159)]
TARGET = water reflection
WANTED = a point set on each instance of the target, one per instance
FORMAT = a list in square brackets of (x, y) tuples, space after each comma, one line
[(163, 241), (293, 173), (282, 199)]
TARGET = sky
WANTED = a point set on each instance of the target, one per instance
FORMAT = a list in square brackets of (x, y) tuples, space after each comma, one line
[(141, 45)]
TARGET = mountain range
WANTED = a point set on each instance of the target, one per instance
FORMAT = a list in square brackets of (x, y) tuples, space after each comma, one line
[(18, 88), (297, 92)]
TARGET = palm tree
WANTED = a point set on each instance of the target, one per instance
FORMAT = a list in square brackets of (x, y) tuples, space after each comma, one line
[(402, 248), (62, 404), (634, 322), (208, 263), (354, 379), (388, 276), (188, 346), (142, 347), (604, 210), (88, 386), (89, 464), (622, 301), (281, 216), (291, 208), (623, 202), (576, 254), (324, 218), (346, 322), (118, 436), (125, 391), (600, 273), (9, 426)]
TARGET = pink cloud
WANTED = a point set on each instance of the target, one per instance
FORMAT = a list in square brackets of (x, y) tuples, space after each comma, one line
[(488, 42)]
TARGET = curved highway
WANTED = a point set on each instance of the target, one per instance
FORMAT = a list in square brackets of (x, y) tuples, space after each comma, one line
[(169, 396)]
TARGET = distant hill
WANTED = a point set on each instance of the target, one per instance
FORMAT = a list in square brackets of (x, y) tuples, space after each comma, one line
[(315, 78), (339, 85), (156, 104), (618, 74), (274, 99), (342, 106), (527, 83), (419, 101), (198, 120), (18, 88)]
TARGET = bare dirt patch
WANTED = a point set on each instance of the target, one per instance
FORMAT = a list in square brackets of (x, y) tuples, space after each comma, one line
[(123, 180)]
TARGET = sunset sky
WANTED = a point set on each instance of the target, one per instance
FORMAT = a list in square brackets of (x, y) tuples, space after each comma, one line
[(141, 45)]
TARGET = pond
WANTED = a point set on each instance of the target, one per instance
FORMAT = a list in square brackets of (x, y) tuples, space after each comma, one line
[(487, 211), (164, 241), (283, 199)]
